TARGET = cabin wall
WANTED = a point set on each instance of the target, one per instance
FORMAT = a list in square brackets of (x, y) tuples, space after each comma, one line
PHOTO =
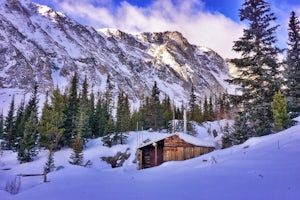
[(177, 149), (171, 148), (147, 155)]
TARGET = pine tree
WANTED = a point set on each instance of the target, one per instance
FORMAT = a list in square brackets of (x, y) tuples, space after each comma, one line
[(58, 101), (1, 125), (198, 113), (146, 113), (101, 118), (83, 117), (192, 104), (258, 66), (166, 111), (45, 127), (206, 116), (155, 114), (108, 95), (293, 64), (211, 112), (51, 122), (241, 130), (29, 121), (26, 148), (32, 105), (20, 122), (227, 136), (77, 154), (123, 118), (93, 121), (71, 113), (280, 116), (9, 130), (136, 123), (108, 137)]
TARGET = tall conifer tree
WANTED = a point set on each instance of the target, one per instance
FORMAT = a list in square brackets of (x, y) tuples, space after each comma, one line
[(1, 125), (293, 63), (155, 114), (20, 120), (192, 104), (26, 148), (9, 130), (258, 65), (83, 117), (71, 113)]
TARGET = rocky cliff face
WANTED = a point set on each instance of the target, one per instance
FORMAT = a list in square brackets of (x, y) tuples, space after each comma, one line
[(39, 44)]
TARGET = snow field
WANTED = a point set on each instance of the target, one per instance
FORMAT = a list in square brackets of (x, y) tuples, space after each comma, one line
[(261, 168)]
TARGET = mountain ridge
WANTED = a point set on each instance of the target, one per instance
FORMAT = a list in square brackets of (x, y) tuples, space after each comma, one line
[(40, 44)]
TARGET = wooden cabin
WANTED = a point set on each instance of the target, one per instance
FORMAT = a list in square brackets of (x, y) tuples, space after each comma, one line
[(172, 147)]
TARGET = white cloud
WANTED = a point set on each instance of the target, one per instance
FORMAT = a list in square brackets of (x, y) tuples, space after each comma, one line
[(200, 27)]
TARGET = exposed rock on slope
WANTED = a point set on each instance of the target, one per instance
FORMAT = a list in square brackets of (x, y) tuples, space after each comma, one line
[(39, 44)]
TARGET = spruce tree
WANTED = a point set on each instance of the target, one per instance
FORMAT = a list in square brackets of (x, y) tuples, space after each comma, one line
[(58, 101), (108, 138), (51, 122), (83, 118), (136, 122), (192, 104), (76, 157), (166, 111), (211, 109), (206, 116), (93, 121), (123, 118), (101, 118), (241, 130), (280, 116), (45, 127), (27, 145), (108, 95), (258, 66), (32, 105), (198, 113), (146, 115), (1, 125), (155, 113), (71, 113), (20, 121), (9, 130), (293, 64)]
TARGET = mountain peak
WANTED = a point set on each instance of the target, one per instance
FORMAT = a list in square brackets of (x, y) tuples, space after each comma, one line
[(43, 45)]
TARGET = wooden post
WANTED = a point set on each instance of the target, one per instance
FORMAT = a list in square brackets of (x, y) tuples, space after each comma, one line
[(155, 154), (45, 177), (140, 159)]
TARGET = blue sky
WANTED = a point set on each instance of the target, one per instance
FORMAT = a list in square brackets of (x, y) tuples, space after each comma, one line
[(211, 23)]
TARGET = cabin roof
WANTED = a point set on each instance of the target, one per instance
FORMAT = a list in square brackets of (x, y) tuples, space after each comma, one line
[(186, 137)]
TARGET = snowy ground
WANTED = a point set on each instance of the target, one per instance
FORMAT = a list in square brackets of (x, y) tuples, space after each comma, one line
[(262, 168)]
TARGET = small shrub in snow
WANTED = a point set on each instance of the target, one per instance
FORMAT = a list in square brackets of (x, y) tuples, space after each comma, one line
[(59, 168), (13, 186), (118, 159), (77, 155), (49, 165)]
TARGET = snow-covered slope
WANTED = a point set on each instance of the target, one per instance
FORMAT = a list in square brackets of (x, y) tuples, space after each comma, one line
[(261, 168), (40, 44)]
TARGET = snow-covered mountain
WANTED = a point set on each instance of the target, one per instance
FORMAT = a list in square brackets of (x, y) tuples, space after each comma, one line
[(40, 44)]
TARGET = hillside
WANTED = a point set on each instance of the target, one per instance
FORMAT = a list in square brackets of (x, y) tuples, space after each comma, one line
[(261, 168)]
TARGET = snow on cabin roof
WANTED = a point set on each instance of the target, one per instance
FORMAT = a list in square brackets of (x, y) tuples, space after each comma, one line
[(186, 137)]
